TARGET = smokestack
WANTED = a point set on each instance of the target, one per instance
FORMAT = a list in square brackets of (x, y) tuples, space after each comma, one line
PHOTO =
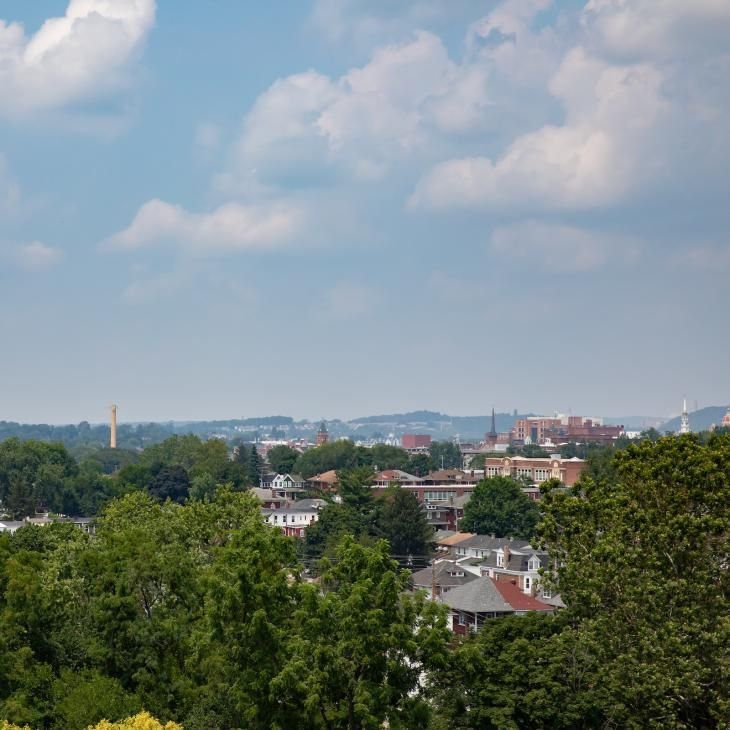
[(113, 437)]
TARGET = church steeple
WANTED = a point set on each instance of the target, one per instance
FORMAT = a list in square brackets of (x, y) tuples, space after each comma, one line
[(493, 429), (684, 420), (322, 435)]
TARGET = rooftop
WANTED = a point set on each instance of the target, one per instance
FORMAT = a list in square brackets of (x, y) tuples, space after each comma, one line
[(478, 596)]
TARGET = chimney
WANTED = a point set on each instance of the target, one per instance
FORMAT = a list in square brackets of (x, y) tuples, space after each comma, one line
[(505, 550), (113, 436)]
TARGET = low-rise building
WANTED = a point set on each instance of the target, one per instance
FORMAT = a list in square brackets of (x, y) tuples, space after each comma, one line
[(441, 577), (482, 599), (537, 470), (292, 521)]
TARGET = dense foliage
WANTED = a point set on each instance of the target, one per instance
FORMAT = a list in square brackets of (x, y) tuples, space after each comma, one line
[(198, 613), (36, 476), (195, 611), (498, 506), (641, 558)]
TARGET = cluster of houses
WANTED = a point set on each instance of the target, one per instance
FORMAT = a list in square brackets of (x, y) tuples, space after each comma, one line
[(482, 576), (477, 576)]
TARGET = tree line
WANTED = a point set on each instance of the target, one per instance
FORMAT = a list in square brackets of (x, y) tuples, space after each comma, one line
[(203, 615)]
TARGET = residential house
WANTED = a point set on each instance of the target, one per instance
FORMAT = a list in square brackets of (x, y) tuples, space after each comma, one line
[(291, 520), (447, 540), (326, 482), (446, 515), (441, 577), (477, 601)]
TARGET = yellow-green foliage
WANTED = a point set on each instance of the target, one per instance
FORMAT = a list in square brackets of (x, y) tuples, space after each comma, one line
[(142, 721)]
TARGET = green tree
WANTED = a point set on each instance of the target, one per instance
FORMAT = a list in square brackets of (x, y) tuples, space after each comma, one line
[(389, 457), (282, 459), (171, 482), (642, 564), (499, 506), (446, 455), (335, 455), (33, 475), (358, 649), (255, 465), (402, 522), (420, 464)]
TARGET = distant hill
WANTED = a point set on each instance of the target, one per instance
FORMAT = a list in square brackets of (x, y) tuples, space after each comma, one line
[(437, 425), (636, 423), (699, 420)]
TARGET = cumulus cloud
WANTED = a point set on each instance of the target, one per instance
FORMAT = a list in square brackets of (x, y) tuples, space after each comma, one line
[(647, 29), (71, 59), (561, 248), (34, 256), (310, 126), (595, 159), (230, 227), (632, 117)]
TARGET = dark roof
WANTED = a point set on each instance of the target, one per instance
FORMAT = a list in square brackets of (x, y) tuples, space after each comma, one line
[(479, 596), (487, 542), (450, 475), (311, 503), (440, 575)]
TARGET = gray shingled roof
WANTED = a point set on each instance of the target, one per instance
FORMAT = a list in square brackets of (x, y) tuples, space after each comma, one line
[(479, 596), (440, 575)]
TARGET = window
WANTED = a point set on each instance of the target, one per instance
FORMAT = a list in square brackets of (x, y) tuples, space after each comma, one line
[(534, 564), (462, 619), (527, 583), (438, 496), (500, 560), (546, 593)]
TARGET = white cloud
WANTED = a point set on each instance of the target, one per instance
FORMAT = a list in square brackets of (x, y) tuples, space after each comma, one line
[(309, 126), (651, 29), (595, 159), (35, 256), (560, 248), (72, 59), (230, 227)]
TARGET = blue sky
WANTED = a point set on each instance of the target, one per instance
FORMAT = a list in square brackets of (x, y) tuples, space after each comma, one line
[(342, 207)]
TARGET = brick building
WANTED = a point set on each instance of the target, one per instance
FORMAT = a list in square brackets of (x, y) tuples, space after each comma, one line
[(561, 429), (537, 470), (415, 442)]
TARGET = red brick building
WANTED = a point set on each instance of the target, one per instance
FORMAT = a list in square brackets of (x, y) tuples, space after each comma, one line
[(561, 429), (415, 441), (322, 435)]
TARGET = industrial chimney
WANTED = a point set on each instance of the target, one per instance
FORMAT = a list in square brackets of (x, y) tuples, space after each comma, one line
[(113, 437)]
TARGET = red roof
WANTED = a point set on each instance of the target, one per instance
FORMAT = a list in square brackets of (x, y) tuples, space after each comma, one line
[(519, 601)]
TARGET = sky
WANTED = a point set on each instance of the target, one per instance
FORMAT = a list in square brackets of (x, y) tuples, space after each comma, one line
[(335, 208)]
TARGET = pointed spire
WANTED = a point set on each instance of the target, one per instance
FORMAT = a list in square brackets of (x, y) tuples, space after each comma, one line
[(684, 420), (493, 432)]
